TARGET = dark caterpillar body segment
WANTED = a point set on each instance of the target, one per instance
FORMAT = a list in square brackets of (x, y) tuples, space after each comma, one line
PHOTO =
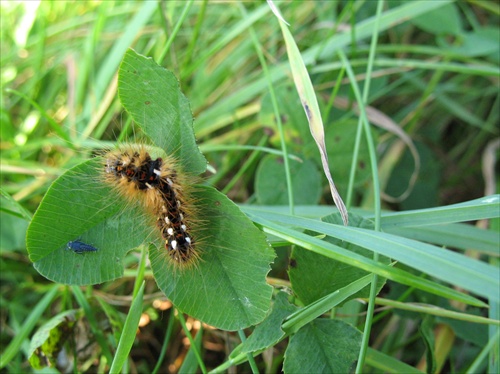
[(80, 247), (143, 173), (174, 230), (158, 180)]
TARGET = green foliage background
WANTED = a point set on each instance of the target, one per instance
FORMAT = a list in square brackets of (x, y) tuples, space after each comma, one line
[(434, 88)]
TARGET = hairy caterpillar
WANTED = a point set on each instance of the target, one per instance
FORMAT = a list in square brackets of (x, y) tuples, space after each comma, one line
[(164, 192)]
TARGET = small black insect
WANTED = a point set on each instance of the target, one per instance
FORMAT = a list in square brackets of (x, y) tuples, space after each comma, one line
[(80, 247)]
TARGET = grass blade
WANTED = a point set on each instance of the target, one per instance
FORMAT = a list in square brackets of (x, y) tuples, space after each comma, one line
[(309, 101), (340, 254), (15, 345), (129, 332), (451, 267), (482, 208)]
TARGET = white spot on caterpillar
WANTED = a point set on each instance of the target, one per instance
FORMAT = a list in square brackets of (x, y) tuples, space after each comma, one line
[(188, 239), (170, 232), (157, 172), (183, 227), (174, 244)]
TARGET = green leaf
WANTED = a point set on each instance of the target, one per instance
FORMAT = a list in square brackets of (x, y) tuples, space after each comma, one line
[(443, 20), (152, 96), (47, 342), (425, 189), (79, 206), (314, 276), (341, 140), (15, 219), (226, 288), (269, 332), (292, 117), (481, 41), (323, 346), (469, 330), (270, 182)]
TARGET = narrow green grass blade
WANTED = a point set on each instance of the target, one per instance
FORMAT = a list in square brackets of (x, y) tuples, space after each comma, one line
[(259, 49), (226, 38), (389, 19), (207, 121), (340, 254), (451, 267), (436, 311), (251, 361), (388, 364), (129, 332), (194, 348), (451, 67), (99, 336), (110, 65), (13, 207), (15, 345), (53, 124), (176, 29), (455, 235), (191, 363), (305, 315), (309, 101), (482, 208)]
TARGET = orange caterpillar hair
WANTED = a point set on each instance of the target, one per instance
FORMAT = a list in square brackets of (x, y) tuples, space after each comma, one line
[(164, 192)]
